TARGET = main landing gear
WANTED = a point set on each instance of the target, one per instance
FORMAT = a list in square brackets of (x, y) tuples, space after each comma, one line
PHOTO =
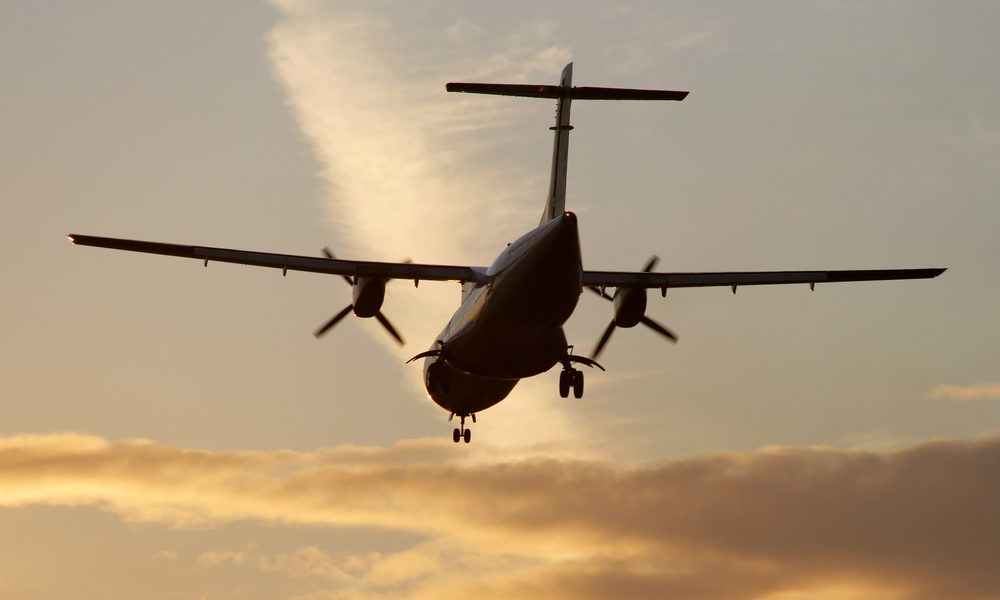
[(461, 433), (571, 377)]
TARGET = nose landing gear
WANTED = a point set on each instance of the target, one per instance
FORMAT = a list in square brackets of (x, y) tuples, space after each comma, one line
[(461, 433)]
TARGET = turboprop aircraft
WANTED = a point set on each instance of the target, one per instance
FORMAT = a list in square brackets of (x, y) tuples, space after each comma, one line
[(509, 324)]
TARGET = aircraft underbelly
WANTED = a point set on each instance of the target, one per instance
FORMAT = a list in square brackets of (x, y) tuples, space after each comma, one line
[(465, 394), (506, 353), (518, 332)]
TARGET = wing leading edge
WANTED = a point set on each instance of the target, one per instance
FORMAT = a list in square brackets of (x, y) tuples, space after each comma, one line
[(291, 262), (736, 279), (414, 271)]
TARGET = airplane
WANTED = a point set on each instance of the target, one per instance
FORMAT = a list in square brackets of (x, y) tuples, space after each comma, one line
[(509, 325)]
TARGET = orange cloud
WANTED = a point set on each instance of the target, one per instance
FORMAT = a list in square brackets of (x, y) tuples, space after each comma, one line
[(967, 393), (914, 523)]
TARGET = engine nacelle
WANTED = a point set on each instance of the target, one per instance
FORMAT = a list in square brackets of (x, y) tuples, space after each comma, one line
[(368, 294), (630, 306)]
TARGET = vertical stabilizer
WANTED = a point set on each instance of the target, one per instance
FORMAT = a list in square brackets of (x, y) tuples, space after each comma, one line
[(564, 93), (555, 204)]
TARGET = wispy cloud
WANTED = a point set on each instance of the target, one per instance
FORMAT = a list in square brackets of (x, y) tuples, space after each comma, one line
[(708, 38), (981, 132), (214, 558), (967, 393), (166, 555), (919, 522), (402, 158), (409, 170)]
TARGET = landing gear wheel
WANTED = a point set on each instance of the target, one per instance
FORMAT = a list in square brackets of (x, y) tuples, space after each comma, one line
[(461, 433), (577, 384), (564, 383)]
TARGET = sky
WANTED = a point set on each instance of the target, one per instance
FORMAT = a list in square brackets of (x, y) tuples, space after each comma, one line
[(175, 431)]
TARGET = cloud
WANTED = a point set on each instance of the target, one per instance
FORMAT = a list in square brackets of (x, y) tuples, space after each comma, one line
[(403, 159), (412, 171), (983, 133), (309, 561), (967, 393), (915, 523), (214, 558), (465, 29), (166, 555)]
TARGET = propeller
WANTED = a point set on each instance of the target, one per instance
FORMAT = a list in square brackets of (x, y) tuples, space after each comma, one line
[(337, 317), (644, 319), (350, 307), (329, 254)]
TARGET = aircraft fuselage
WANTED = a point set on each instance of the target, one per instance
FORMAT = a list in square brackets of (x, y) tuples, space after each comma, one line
[(510, 327)]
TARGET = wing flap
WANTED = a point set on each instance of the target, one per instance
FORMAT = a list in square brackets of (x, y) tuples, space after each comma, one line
[(291, 262), (736, 278)]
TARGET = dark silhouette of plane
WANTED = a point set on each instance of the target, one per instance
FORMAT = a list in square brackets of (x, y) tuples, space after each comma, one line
[(509, 324)]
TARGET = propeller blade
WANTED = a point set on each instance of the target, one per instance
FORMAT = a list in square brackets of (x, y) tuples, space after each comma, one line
[(388, 327), (659, 329), (329, 254), (598, 291), (604, 340), (645, 320), (652, 263), (337, 317)]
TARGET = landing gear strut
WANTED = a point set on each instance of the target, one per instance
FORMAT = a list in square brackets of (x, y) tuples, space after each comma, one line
[(461, 433)]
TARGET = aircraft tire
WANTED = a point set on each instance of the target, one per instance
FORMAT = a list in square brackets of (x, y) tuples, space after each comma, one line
[(467, 436), (564, 384), (577, 384), (456, 435)]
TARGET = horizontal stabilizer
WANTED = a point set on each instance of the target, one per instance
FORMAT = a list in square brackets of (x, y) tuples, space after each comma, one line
[(555, 91), (603, 93), (564, 93)]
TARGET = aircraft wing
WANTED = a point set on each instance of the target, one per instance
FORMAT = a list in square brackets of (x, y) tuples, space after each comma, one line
[(292, 262), (736, 279)]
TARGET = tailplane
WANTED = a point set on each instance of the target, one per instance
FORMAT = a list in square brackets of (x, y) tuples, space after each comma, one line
[(564, 94)]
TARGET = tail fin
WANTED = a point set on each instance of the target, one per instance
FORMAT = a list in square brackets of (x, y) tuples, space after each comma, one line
[(564, 93)]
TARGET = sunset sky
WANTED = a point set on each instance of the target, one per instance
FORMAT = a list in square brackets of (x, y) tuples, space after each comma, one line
[(171, 431)]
